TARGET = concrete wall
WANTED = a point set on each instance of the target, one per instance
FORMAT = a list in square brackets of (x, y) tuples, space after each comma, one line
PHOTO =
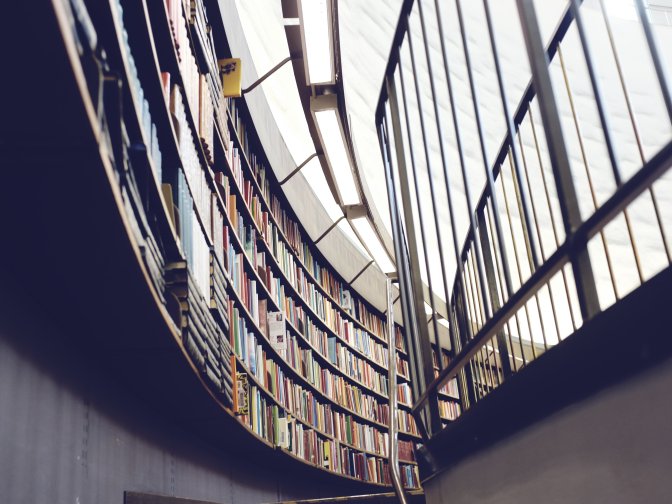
[(615, 447), (71, 433)]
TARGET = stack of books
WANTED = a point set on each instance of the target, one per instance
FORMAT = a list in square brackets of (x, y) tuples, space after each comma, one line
[(219, 298), (202, 337)]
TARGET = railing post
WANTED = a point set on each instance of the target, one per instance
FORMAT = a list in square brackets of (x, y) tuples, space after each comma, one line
[(408, 265), (393, 451), (569, 206), (491, 277), (461, 319)]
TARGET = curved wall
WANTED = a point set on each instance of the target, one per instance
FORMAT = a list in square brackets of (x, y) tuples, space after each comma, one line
[(72, 432)]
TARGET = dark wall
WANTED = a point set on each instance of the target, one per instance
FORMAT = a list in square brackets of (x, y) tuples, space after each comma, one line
[(615, 447), (71, 432)]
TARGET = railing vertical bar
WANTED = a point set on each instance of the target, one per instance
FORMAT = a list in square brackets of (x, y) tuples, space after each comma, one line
[(538, 229), (591, 186), (454, 338), (527, 227), (421, 216), (550, 212), (444, 166), (458, 142), (636, 132), (512, 351), (653, 49), (424, 353), (492, 283), (460, 321), (476, 322), (477, 300), (470, 301), (492, 364), (403, 271), (516, 183), (571, 216), (393, 438), (489, 213), (595, 83), (520, 342), (515, 254), (481, 138), (474, 384), (485, 359)]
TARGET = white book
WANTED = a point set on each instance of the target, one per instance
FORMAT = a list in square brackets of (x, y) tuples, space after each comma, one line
[(277, 332)]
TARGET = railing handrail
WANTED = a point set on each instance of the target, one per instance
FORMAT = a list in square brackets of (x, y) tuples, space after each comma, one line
[(624, 195), (393, 452), (482, 314)]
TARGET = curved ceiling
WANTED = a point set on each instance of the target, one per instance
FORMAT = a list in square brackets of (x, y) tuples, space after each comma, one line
[(366, 30)]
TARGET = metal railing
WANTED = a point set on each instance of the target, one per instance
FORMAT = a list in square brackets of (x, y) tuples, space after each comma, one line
[(566, 224), (393, 439)]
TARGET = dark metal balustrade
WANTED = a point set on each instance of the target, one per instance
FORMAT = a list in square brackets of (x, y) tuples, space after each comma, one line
[(555, 237)]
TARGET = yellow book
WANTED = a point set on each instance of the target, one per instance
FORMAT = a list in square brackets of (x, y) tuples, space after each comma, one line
[(230, 70), (327, 455)]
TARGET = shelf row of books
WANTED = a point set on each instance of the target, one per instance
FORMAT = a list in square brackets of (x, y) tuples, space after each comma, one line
[(404, 394), (293, 235), (255, 351), (189, 71), (198, 183), (125, 144), (328, 347), (399, 340), (149, 131), (406, 422), (402, 367), (294, 384), (450, 388), (204, 338), (192, 236), (449, 410), (137, 213), (444, 357), (277, 427), (355, 337)]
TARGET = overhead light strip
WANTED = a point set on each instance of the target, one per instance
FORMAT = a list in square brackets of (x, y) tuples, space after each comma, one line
[(317, 39), (331, 132)]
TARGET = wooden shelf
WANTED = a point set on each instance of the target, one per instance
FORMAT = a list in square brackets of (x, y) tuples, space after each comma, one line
[(237, 190), (319, 431), (251, 176), (157, 334)]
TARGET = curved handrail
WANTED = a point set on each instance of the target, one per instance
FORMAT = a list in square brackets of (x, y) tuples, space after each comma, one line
[(476, 313)]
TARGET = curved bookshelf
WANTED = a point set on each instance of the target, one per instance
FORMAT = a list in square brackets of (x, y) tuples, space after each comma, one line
[(187, 291), (306, 306), (289, 246), (250, 320)]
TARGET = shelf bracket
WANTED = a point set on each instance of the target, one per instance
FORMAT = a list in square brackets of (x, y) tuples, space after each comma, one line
[(277, 67), (329, 229), (298, 168), (361, 271), (393, 302)]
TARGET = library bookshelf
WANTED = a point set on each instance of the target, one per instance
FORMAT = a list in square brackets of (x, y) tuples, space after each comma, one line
[(183, 191)]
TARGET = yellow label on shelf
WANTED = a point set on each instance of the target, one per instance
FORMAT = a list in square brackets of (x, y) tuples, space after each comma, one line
[(230, 70)]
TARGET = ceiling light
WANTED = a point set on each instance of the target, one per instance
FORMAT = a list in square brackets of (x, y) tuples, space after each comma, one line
[(428, 309), (442, 321), (370, 240), (317, 40), (332, 136)]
